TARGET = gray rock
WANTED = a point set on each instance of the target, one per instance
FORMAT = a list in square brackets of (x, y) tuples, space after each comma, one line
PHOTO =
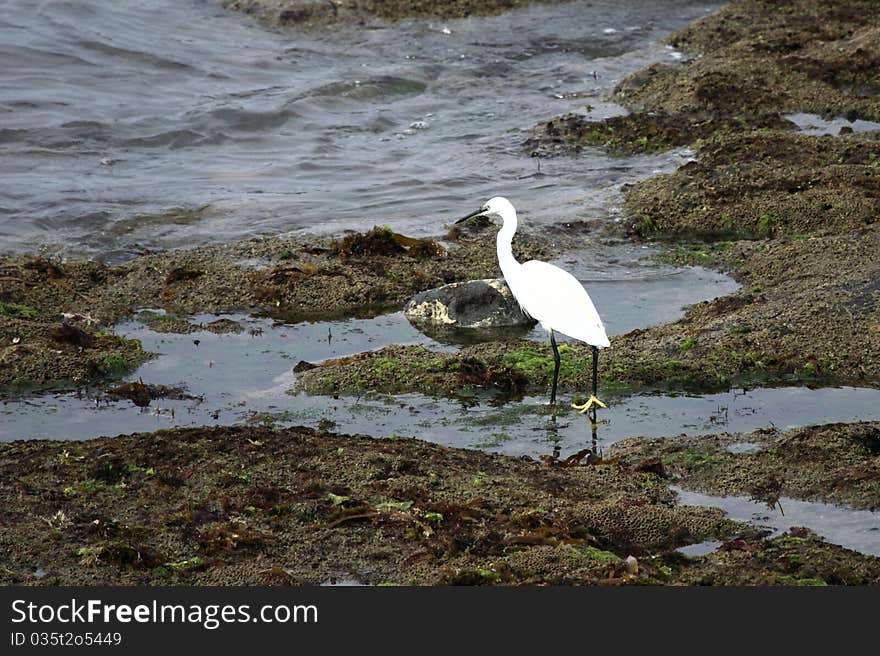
[(467, 305)]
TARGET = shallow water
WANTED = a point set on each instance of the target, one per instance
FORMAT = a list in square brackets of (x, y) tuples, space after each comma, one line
[(113, 110), (240, 375), (246, 377), (854, 529), (700, 548), (630, 290), (814, 124)]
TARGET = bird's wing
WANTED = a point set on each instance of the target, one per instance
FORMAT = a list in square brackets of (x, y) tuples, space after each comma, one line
[(558, 300)]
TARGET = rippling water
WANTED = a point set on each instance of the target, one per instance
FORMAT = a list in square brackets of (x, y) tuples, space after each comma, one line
[(110, 111)]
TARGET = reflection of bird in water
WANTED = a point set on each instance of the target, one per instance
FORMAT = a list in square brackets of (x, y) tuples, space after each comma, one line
[(586, 456), (552, 296)]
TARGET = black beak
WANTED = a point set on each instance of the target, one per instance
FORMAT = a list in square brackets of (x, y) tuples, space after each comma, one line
[(477, 213)]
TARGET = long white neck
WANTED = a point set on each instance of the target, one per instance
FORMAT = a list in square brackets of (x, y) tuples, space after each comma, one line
[(504, 241)]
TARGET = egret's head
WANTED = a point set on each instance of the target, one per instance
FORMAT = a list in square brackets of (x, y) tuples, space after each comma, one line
[(497, 206)]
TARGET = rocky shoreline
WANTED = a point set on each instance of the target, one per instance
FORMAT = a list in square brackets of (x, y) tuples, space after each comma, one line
[(244, 505), (793, 217)]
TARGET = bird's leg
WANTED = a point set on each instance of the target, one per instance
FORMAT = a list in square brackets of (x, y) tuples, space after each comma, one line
[(556, 363), (553, 436), (593, 401), (594, 425)]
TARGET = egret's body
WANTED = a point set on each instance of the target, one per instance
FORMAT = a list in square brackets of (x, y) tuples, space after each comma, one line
[(548, 294)]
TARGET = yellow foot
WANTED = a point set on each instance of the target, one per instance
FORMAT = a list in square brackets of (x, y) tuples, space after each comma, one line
[(591, 402)]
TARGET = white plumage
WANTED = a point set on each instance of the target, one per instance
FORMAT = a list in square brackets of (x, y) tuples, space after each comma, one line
[(556, 299), (548, 294)]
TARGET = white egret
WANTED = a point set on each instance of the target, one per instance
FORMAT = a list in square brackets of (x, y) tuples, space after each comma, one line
[(548, 294)]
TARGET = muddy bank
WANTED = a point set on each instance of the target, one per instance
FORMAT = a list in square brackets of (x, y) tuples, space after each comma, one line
[(46, 332), (810, 298), (751, 62), (358, 274), (262, 506), (743, 183), (317, 13), (758, 57), (836, 463), (36, 354), (762, 185), (639, 133)]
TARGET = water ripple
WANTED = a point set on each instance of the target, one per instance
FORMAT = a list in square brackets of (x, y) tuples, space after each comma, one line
[(118, 106)]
